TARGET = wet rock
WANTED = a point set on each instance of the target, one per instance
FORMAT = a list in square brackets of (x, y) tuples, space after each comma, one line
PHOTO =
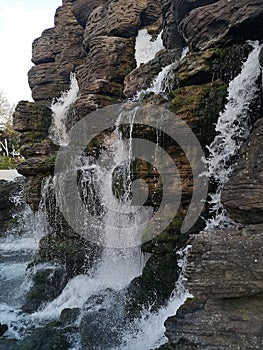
[(48, 338), (153, 288), (76, 254), (212, 64), (242, 196), (69, 316), (32, 192), (48, 283), (261, 58), (142, 77), (3, 329), (103, 320), (224, 274)]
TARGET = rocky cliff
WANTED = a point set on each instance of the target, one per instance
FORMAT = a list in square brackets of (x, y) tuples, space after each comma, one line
[(96, 40)]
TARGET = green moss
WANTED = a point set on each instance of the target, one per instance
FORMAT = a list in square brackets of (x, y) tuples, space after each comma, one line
[(9, 162)]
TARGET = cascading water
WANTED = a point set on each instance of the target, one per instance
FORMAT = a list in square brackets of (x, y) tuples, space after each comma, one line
[(60, 108), (233, 127), (164, 81)]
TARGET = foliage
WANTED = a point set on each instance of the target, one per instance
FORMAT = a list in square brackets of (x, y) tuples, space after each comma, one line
[(6, 111)]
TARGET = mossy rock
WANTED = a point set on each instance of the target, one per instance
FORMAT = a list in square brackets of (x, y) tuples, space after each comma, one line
[(207, 66), (154, 287), (199, 106)]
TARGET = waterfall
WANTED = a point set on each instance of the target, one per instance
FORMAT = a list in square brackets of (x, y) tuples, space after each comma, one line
[(117, 267), (17, 250), (146, 47), (164, 81), (233, 127), (61, 108)]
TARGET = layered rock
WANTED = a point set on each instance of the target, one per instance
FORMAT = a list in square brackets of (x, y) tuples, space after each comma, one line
[(206, 23), (243, 196), (32, 121), (224, 273)]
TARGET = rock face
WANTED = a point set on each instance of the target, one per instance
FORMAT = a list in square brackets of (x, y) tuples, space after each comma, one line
[(32, 121), (243, 196), (206, 23), (224, 273)]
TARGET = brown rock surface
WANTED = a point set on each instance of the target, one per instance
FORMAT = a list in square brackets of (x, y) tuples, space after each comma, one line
[(221, 22), (45, 48), (206, 23), (82, 9), (110, 59), (243, 194), (120, 18)]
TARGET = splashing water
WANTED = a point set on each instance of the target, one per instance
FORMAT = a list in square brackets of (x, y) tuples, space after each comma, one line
[(16, 251), (148, 331), (60, 108), (233, 127)]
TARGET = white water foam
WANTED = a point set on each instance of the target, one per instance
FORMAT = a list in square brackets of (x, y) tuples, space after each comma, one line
[(233, 127), (60, 108), (146, 47), (164, 81), (147, 332)]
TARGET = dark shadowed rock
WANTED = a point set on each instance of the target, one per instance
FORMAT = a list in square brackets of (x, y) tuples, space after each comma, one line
[(82, 9), (48, 283), (103, 320), (3, 329)]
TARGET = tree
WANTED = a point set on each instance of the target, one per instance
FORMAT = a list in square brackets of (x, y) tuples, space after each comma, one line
[(6, 111)]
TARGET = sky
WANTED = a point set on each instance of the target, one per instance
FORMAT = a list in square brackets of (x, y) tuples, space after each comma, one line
[(21, 21)]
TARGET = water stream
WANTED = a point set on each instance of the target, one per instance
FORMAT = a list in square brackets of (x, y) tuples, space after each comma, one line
[(233, 127)]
